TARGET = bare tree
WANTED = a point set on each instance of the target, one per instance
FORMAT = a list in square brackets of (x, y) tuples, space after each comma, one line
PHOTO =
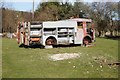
[(103, 14), (1, 6), (1, 3)]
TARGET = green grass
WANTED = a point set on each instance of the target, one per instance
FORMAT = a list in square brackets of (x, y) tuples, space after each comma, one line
[(34, 63), (0, 57)]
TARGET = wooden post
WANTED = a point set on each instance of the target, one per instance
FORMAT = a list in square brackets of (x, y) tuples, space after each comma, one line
[(33, 11)]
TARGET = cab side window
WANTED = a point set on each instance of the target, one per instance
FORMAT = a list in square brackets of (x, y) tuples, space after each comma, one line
[(80, 25)]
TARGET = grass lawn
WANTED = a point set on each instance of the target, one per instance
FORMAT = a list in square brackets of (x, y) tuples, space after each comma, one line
[(35, 63)]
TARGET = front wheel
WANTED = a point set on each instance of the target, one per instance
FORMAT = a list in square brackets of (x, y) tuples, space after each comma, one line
[(86, 41)]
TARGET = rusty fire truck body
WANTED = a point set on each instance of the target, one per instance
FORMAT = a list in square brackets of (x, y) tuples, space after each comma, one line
[(65, 32)]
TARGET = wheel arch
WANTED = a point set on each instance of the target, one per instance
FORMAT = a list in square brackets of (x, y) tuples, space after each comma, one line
[(88, 37), (51, 37)]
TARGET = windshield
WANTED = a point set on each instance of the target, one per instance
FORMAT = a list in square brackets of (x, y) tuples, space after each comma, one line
[(88, 25)]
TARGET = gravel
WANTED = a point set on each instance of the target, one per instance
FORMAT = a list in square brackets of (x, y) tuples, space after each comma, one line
[(64, 56)]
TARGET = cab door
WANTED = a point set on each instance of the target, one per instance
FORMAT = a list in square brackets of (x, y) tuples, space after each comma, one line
[(79, 33)]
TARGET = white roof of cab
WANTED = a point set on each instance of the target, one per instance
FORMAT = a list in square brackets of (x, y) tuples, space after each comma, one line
[(81, 20), (62, 23)]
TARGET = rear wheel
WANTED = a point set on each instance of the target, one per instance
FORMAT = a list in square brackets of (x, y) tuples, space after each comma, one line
[(51, 41)]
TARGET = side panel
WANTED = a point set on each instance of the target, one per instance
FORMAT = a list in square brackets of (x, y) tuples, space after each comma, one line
[(64, 33), (63, 40), (79, 36)]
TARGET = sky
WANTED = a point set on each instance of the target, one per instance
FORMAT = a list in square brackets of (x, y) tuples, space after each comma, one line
[(21, 6), (26, 5)]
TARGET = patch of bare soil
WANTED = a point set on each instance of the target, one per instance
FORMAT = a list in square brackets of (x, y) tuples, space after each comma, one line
[(64, 56)]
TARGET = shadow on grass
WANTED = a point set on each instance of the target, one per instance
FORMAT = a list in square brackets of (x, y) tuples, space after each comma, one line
[(64, 46), (32, 46), (43, 47)]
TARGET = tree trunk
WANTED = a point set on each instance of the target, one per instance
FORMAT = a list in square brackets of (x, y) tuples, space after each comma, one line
[(102, 34), (99, 33), (111, 33)]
